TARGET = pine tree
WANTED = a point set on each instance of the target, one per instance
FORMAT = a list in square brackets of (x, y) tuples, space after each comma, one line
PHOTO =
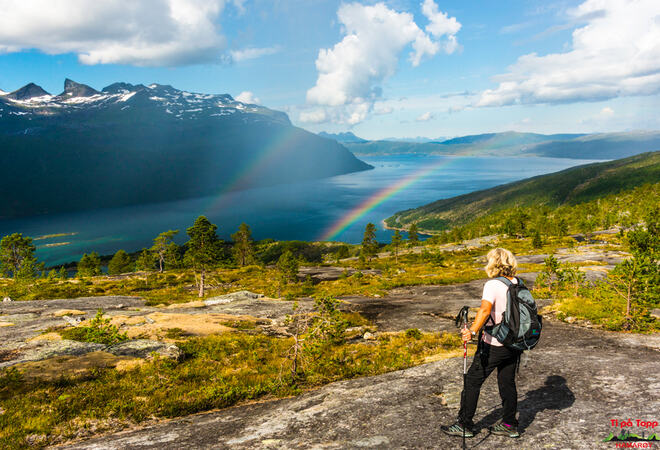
[(369, 243), (203, 248), (637, 280), (89, 265), (29, 270), (413, 237), (16, 252), (120, 263), (342, 252), (243, 246), (63, 274), (172, 256), (161, 244), (562, 227), (288, 266), (537, 242), (145, 261), (396, 242)]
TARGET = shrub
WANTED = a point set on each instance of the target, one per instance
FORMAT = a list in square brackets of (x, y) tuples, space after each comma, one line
[(413, 333), (99, 330)]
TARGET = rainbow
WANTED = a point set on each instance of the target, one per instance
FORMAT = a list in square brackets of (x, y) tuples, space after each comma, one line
[(379, 197), (243, 178)]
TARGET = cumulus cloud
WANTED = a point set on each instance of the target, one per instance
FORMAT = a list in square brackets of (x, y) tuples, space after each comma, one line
[(615, 54), (424, 117), (142, 33), (313, 116), (248, 97), (349, 73), (252, 53), (440, 24)]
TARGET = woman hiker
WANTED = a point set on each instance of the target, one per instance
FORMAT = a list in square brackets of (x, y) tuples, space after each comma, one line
[(491, 354)]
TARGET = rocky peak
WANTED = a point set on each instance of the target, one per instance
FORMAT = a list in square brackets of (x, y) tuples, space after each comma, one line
[(122, 88), (163, 89), (73, 89), (27, 92)]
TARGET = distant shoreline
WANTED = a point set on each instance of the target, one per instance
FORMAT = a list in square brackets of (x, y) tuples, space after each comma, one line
[(51, 236), (424, 232)]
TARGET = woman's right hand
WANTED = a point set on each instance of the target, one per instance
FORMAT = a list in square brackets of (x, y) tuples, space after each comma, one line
[(466, 335)]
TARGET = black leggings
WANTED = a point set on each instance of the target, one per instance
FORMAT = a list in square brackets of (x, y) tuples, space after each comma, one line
[(487, 358)]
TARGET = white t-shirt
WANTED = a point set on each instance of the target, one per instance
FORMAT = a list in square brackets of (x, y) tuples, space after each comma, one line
[(495, 294)]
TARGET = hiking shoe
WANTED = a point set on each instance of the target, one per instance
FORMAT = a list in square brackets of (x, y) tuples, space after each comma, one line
[(505, 429), (457, 430)]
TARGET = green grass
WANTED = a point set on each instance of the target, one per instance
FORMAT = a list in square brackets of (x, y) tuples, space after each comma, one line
[(216, 372)]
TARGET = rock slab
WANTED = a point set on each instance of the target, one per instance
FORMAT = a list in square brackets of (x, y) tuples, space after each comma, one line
[(576, 382)]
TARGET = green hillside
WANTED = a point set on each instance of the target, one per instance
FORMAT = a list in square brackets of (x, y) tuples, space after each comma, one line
[(566, 189)]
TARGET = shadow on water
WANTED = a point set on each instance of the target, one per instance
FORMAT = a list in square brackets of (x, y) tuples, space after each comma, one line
[(553, 395)]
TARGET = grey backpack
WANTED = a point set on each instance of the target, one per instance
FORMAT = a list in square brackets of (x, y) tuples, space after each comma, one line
[(520, 328)]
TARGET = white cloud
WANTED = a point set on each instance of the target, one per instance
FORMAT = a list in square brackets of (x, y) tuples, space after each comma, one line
[(615, 54), (252, 53), (440, 24), (248, 97), (313, 116), (607, 112), (374, 38), (381, 109), (424, 117), (141, 33)]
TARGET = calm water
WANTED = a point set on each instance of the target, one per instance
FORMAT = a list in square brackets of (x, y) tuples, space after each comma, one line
[(303, 210)]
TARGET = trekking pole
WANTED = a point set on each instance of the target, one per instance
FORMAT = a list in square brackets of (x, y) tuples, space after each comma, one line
[(463, 317)]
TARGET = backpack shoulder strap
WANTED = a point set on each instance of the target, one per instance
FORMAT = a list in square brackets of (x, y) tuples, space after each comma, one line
[(505, 280)]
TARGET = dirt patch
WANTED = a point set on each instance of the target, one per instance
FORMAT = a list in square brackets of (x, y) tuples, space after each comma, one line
[(198, 304), (68, 366), (46, 337), (69, 312), (129, 364), (155, 325)]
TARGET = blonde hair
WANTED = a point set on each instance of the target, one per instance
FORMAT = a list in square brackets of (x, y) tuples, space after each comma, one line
[(501, 263)]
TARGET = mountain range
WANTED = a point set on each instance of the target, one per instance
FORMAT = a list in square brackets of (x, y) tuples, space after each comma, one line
[(512, 143), (343, 137), (128, 144)]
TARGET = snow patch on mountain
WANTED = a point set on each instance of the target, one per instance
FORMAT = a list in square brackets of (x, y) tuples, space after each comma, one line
[(125, 97), (34, 101), (82, 100)]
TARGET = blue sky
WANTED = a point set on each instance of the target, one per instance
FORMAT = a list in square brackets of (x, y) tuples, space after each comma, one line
[(394, 68)]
